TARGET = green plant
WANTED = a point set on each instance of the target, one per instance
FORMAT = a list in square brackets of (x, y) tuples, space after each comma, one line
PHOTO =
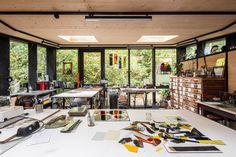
[(178, 68), (165, 93)]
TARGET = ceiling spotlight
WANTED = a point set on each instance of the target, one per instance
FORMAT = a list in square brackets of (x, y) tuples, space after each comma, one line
[(56, 15)]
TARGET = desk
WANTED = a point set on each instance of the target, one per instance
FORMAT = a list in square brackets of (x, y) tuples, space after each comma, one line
[(229, 114), (79, 142), (135, 91), (88, 93), (35, 94)]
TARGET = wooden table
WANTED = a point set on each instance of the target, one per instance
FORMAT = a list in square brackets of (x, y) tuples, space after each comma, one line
[(80, 143), (88, 93), (135, 91)]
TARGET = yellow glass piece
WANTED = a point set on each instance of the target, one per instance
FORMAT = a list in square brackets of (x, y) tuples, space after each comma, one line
[(186, 127), (220, 62), (217, 142), (131, 148), (184, 138), (159, 149), (156, 137)]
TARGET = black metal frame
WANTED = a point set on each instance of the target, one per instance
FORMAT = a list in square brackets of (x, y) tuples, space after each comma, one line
[(81, 52)]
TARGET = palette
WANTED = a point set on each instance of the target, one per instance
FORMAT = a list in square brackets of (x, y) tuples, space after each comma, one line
[(111, 115)]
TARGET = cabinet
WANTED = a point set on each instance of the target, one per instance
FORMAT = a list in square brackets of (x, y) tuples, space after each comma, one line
[(185, 92)]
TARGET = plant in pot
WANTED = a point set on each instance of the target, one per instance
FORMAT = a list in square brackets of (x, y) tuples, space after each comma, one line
[(165, 97)]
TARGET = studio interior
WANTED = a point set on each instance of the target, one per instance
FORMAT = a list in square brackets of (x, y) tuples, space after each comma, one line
[(118, 78)]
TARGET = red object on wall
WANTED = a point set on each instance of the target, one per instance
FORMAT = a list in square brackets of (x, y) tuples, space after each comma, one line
[(78, 81), (43, 85)]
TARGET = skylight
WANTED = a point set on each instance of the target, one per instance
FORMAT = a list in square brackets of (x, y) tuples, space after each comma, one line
[(78, 38), (156, 38)]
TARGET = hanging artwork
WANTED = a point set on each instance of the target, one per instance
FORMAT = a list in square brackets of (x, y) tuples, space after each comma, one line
[(165, 67), (115, 58), (67, 68), (124, 61), (110, 59), (120, 62)]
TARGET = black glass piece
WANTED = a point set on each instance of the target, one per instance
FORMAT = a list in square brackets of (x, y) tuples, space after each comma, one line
[(125, 140), (178, 141), (138, 143), (196, 132)]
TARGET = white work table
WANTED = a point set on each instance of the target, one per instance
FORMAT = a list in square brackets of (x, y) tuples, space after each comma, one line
[(79, 93), (79, 143)]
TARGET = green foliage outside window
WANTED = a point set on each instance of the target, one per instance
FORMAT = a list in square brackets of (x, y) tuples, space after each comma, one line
[(114, 74), (67, 56), (92, 67), (191, 51), (19, 61), (141, 67)]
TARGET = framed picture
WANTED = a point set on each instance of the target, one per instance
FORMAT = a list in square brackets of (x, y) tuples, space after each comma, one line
[(219, 71), (67, 68)]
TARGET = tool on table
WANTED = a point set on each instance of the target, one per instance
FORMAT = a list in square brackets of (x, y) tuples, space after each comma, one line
[(78, 111), (24, 131), (69, 127), (10, 121), (57, 122)]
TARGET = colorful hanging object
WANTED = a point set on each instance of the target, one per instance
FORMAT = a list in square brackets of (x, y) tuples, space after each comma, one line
[(115, 58), (120, 62), (124, 61), (110, 59), (165, 67)]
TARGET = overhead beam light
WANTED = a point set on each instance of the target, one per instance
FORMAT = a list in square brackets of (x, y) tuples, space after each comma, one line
[(155, 38), (114, 18), (79, 38)]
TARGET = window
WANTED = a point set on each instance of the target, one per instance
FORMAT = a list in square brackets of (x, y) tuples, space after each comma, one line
[(92, 67), (116, 66), (191, 51), (165, 63), (214, 46), (41, 62), (141, 67), (67, 56), (19, 61)]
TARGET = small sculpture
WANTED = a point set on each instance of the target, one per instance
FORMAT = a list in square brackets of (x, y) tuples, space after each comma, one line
[(90, 120)]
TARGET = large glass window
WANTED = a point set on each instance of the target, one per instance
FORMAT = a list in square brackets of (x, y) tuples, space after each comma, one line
[(165, 63), (214, 46), (65, 58), (191, 51), (41, 62), (92, 67), (19, 62), (116, 66), (141, 67)]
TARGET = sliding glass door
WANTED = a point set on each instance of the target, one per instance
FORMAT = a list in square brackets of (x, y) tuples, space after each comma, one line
[(140, 67)]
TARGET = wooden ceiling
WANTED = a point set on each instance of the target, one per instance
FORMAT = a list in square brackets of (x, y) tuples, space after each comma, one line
[(117, 32)]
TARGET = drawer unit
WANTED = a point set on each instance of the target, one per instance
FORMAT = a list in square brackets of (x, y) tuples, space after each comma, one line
[(185, 92)]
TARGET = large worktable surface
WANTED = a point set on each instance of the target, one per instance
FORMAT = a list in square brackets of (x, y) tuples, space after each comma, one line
[(79, 93), (79, 143)]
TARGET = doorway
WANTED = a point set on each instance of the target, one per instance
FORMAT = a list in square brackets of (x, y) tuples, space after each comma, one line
[(91, 67)]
